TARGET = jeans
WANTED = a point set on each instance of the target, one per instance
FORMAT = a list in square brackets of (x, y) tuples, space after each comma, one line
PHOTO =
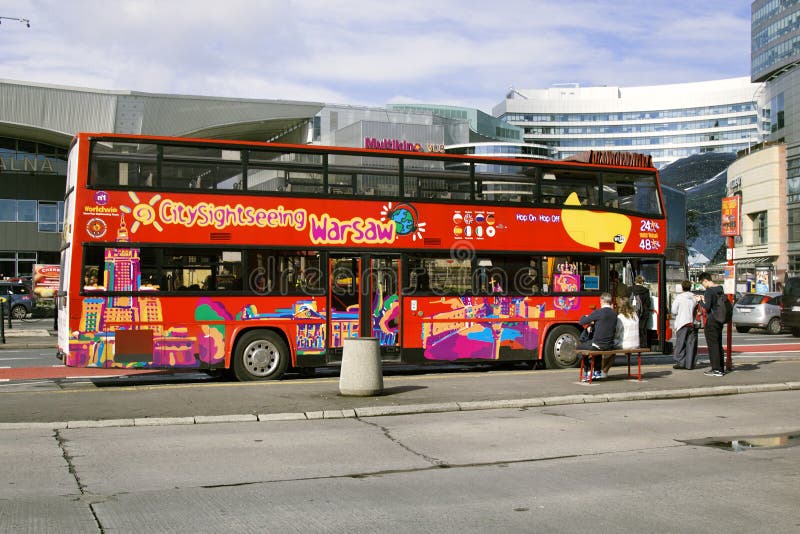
[(713, 333)]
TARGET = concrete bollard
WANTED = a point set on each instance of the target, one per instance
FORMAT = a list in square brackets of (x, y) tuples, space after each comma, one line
[(361, 374)]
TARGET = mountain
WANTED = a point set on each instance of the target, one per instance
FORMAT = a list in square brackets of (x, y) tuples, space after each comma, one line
[(704, 178)]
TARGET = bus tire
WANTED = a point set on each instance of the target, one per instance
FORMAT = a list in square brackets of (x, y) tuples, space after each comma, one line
[(559, 347), (260, 355)]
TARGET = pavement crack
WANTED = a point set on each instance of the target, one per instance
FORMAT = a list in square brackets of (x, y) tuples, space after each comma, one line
[(61, 440), (386, 432)]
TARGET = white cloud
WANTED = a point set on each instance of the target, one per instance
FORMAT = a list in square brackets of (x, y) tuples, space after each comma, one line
[(451, 52)]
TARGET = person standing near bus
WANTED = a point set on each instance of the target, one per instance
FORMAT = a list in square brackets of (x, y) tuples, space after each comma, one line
[(617, 286), (683, 308), (642, 304), (713, 329)]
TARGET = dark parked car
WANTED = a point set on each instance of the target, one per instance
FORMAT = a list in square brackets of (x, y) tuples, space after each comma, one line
[(19, 299), (790, 308), (758, 310)]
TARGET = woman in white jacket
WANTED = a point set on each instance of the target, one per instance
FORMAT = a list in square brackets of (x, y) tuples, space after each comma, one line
[(627, 334)]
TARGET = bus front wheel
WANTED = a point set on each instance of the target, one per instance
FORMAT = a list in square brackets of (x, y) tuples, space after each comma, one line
[(260, 355), (559, 348)]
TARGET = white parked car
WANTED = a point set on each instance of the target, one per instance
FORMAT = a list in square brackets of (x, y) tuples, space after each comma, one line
[(758, 310)]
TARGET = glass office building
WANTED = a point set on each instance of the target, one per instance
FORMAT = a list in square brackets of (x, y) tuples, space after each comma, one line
[(775, 58), (667, 121)]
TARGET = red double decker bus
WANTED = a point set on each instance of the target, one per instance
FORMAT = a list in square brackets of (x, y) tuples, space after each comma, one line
[(260, 258)]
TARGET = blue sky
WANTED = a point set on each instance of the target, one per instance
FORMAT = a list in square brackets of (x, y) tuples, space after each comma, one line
[(455, 52)]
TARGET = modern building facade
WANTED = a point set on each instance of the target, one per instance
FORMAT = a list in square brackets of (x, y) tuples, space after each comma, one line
[(775, 61), (667, 121), (38, 121), (483, 127), (759, 178)]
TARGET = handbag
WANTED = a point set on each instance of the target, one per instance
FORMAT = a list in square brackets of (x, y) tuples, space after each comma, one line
[(697, 322)]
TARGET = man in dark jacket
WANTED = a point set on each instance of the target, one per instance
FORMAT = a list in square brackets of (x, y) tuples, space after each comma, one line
[(713, 328), (605, 326), (643, 306)]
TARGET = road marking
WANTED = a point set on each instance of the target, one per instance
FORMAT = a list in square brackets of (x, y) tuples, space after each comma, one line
[(10, 359)]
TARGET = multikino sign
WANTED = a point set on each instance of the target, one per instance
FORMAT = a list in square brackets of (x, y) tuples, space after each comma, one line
[(392, 144)]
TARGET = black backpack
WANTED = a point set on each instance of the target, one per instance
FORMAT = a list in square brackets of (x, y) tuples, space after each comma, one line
[(722, 309)]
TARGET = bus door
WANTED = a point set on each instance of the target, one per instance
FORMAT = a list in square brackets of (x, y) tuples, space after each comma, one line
[(622, 275), (344, 302), (363, 301), (384, 303)]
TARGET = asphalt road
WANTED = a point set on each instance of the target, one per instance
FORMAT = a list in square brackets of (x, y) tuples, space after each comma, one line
[(603, 467)]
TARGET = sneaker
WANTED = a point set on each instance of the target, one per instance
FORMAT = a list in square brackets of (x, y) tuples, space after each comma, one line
[(603, 375), (597, 375), (586, 377), (713, 372)]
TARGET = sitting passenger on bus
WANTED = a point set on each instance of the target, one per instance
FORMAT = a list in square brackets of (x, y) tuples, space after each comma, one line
[(90, 279)]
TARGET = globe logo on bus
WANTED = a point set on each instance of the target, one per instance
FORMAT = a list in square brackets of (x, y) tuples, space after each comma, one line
[(404, 221), (405, 218)]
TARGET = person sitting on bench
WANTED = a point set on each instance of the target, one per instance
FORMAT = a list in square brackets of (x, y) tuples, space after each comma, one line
[(627, 333), (604, 320)]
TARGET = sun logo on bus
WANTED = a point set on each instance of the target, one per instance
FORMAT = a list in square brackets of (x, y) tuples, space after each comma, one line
[(406, 219), (143, 214)]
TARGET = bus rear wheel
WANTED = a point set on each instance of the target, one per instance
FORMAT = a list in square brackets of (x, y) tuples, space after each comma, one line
[(559, 348), (260, 355)]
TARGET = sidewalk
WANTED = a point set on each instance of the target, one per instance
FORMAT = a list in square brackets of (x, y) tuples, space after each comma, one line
[(29, 334), (148, 400), (120, 397)]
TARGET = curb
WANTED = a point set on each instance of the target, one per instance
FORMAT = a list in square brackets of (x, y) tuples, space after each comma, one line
[(27, 345), (410, 409)]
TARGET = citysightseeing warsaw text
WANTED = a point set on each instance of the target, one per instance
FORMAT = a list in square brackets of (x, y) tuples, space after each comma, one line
[(323, 229)]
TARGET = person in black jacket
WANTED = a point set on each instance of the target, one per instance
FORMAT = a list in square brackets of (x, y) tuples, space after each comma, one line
[(604, 320), (713, 328), (643, 306)]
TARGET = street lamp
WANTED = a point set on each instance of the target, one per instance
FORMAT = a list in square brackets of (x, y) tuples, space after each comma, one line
[(26, 21)]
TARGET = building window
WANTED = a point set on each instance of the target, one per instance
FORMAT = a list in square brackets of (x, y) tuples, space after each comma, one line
[(759, 228), (794, 225), (26, 211), (8, 210), (776, 112), (48, 216), (794, 264), (13, 264)]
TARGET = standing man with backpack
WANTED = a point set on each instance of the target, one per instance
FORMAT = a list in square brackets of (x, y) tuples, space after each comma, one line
[(717, 306), (642, 306)]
